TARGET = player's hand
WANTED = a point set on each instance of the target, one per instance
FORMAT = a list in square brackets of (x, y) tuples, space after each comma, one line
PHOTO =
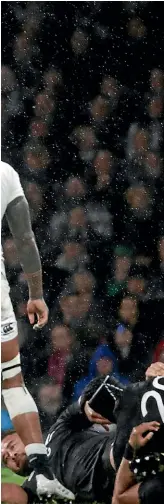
[(155, 369), (137, 440), (37, 307), (95, 417)]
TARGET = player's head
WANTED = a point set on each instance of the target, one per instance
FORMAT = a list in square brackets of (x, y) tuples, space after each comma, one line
[(13, 453), (114, 391)]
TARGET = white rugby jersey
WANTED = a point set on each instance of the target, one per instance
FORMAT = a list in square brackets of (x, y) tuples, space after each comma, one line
[(10, 186), (10, 189)]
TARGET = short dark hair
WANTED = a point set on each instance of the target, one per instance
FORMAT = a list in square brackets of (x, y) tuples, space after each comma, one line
[(6, 433)]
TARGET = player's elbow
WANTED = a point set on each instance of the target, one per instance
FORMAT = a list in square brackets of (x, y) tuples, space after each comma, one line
[(118, 499), (25, 241), (115, 500)]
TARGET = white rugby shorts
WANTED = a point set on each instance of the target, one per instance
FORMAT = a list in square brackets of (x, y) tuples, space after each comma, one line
[(9, 328)]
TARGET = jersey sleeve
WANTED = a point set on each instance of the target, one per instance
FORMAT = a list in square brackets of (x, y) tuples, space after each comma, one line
[(74, 418), (13, 186)]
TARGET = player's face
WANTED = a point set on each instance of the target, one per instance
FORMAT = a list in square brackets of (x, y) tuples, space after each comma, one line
[(13, 452)]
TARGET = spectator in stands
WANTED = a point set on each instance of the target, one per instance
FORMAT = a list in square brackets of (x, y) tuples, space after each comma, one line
[(157, 81), (128, 346), (159, 352), (82, 122), (128, 313), (103, 362), (49, 399), (62, 342), (137, 281), (119, 271), (73, 256), (140, 217)]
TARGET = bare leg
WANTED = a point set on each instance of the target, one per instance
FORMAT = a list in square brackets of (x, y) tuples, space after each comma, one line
[(27, 425), (25, 418)]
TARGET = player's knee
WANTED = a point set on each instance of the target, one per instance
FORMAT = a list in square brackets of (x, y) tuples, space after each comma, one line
[(11, 369), (18, 401)]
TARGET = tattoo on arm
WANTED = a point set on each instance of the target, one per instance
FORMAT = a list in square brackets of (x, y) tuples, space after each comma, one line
[(19, 221)]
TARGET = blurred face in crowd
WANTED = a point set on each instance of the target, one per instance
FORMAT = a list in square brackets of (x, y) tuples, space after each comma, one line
[(128, 310), (52, 81), (153, 165), (86, 139), (31, 26), (136, 28), (140, 142), (121, 268), (84, 282), (109, 87), (44, 105), (123, 338), (69, 307), (8, 80), (75, 306), (37, 159), (103, 163), (32, 15), (157, 80), (155, 107), (38, 128), (138, 198), (136, 285), (34, 196), (79, 42), (75, 188), (50, 398), (72, 250), (61, 338), (161, 249), (10, 253), (104, 366), (99, 109), (22, 48), (77, 217)]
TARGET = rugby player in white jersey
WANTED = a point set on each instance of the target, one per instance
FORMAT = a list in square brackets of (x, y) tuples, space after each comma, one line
[(21, 406)]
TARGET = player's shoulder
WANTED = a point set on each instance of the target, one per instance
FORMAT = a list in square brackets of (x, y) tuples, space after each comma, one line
[(134, 388), (146, 386), (11, 187), (7, 170)]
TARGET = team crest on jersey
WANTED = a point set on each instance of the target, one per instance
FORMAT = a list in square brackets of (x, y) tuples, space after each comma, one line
[(7, 328)]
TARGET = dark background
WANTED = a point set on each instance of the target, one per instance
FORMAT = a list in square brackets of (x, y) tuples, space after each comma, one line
[(82, 123)]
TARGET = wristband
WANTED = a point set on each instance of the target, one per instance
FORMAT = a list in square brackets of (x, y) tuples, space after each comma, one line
[(129, 452)]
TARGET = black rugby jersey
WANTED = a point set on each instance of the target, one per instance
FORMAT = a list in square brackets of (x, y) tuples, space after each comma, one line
[(79, 455), (140, 402)]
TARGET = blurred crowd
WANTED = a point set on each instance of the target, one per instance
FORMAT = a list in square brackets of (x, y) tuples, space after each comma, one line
[(82, 123)]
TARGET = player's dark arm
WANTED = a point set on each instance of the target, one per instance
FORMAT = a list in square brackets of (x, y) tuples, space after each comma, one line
[(18, 217), (126, 491)]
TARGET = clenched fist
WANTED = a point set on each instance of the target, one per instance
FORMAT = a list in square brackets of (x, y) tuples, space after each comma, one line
[(38, 308)]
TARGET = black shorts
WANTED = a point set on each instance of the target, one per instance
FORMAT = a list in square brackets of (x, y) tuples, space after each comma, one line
[(152, 490)]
